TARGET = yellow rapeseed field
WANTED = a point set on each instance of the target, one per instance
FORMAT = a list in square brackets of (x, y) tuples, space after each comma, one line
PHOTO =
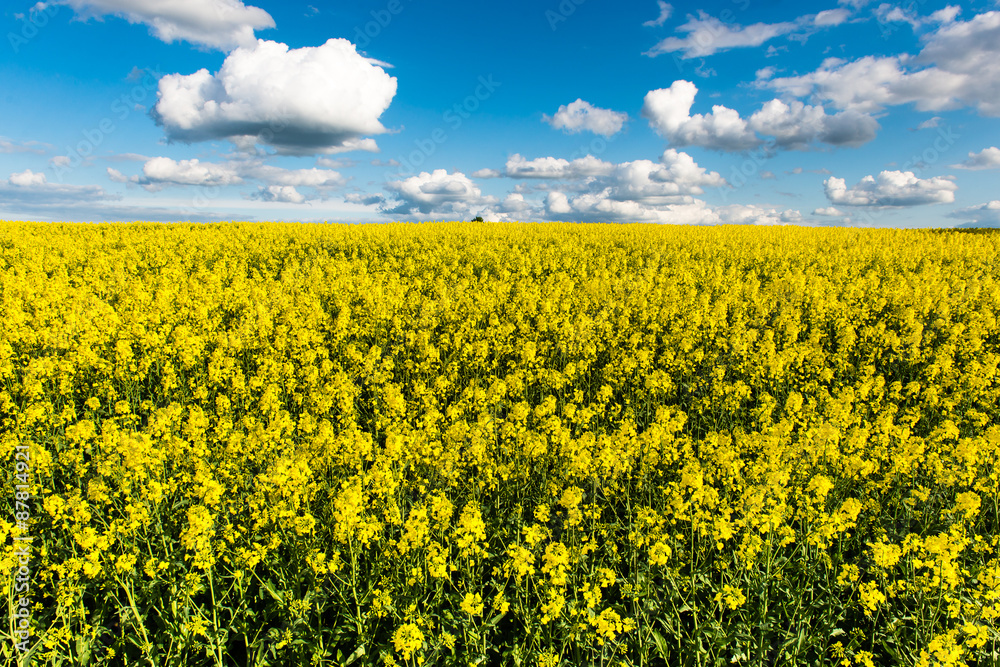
[(499, 444)]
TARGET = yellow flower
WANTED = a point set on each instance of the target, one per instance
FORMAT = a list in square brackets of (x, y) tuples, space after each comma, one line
[(472, 604), (408, 639), (871, 597), (732, 596), (548, 659), (553, 606), (968, 503), (659, 553), (470, 534), (864, 659), (555, 561), (500, 603), (542, 513), (608, 625), (125, 563), (885, 555), (437, 562), (521, 562)]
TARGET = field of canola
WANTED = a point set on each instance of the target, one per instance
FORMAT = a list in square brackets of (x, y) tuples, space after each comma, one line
[(502, 444)]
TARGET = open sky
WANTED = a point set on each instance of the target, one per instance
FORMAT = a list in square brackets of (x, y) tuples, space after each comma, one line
[(722, 111)]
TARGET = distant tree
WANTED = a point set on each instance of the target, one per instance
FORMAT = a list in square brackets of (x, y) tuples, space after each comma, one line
[(478, 218)]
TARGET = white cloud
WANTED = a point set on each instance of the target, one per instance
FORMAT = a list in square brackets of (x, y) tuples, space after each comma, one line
[(220, 24), (707, 35), (793, 126), (301, 101), (765, 73), (636, 191), (550, 167), (349, 145), (829, 212), (832, 17), (669, 182), (599, 207), (959, 65), (557, 203), (313, 177), (439, 192), (665, 11), (486, 173), (126, 157), (116, 176), (751, 214), (669, 113), (27, 179), (286, 194), (8, 146), (984, 215), (640, 190), (988, 158), (930, 123), (887, 13), (799, 170), (581, 115), (29, 187), (514, 203), (891, 189), (364, 199), (946, 15), (279, 184), (334, 163), (867, 85), (796, 125), (162, 171), (676, 176)]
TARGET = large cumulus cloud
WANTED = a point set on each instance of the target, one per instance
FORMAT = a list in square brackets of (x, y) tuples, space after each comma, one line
[(311, 100)]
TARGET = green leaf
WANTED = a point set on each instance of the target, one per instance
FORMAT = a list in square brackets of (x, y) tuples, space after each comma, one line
[(661, 643), (358, 652), (494, 620), (270, 588)]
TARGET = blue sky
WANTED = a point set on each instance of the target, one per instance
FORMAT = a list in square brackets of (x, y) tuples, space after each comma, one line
[(730, 111)]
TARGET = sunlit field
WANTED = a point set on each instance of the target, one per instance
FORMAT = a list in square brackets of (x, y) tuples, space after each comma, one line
[(499, 444)]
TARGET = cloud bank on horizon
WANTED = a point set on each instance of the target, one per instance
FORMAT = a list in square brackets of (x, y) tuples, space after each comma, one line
[(848, 112)]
